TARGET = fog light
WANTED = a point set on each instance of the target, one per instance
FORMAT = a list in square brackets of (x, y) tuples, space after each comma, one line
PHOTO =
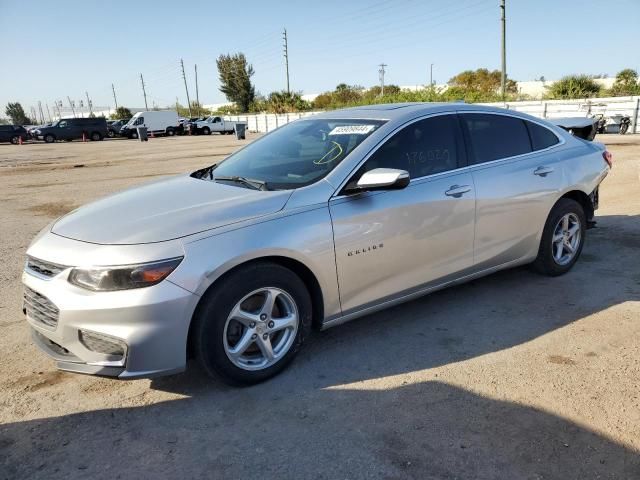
[(100, 343)]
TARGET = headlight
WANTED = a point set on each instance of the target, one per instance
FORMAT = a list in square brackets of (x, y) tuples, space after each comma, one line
[(104, 279)]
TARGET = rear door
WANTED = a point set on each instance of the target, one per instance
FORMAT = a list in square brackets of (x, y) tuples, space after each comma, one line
[(517, 175), (392, 243)]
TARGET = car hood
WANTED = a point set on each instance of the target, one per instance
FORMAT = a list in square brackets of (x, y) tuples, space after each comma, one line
[(166, 210)]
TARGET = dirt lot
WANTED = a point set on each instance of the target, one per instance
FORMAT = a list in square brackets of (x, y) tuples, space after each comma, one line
[(514, 376)]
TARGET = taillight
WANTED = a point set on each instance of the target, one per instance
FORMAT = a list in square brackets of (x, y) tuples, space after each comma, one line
[(608, 157)]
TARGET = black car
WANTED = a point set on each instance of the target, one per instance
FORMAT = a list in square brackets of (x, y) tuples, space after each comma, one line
[(73, 129), (12, 133), (114, 127)]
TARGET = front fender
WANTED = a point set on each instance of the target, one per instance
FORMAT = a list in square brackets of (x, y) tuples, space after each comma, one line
[(305, 237)]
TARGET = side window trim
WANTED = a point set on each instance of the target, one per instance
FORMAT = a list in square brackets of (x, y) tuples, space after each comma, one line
[(463, 162)]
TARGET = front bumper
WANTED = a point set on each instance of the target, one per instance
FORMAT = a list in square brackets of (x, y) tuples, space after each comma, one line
[(152, 322)]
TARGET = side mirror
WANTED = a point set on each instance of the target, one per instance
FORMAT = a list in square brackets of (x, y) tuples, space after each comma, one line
[(380, 179)]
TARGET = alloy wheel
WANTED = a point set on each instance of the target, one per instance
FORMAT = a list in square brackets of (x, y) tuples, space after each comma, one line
[(261, 329), (566, 238)]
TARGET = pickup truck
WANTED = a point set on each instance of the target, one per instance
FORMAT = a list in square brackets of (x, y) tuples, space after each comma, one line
[(213, 124)]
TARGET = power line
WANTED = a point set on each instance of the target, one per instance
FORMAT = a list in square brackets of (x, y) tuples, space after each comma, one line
[(185, 87)]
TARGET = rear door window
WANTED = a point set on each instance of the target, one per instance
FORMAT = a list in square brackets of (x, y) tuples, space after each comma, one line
[(541, 137), (495, 136)]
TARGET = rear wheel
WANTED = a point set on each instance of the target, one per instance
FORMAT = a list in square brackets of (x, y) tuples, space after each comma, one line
[(15, 139), (171, 132), (48, 138), (562, 238), (95, 137), (250, 328)]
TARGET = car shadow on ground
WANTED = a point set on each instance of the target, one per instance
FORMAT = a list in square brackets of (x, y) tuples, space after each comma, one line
[(315, 421)]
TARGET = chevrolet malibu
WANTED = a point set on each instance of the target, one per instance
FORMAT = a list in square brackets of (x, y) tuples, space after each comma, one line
[(321, 221)]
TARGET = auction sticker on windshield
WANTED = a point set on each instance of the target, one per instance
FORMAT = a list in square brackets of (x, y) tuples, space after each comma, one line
[(352, 130)]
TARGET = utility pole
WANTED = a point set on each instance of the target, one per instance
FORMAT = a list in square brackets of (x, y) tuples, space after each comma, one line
[(382, 72), (89, 103), (197, 95), (115, 100), (49, 113), (72, 106), (40, 110), (185, 87), (177, 104), (431, 76), (286, 57), (503, 80), (144, 92)]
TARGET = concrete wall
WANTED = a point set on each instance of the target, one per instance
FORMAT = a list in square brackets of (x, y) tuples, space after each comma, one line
[(542, 109)]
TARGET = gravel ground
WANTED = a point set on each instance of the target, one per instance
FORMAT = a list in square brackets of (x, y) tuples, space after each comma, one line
[(513, 376)]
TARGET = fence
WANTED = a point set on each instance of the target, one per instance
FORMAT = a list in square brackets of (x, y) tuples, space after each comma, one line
[(538, 108)]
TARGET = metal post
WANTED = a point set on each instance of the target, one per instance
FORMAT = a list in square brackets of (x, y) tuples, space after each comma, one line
[(503, 80), (635, 117), (144, 92), (185, 87), (544, 112), (286, 57), (49, 113), (431, 76)]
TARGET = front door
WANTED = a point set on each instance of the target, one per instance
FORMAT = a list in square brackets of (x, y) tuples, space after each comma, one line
[(395, 242)]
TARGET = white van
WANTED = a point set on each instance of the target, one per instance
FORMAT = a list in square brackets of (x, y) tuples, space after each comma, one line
[(160, 122)]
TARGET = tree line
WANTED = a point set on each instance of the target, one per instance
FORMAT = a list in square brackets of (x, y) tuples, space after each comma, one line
[(481, 85)]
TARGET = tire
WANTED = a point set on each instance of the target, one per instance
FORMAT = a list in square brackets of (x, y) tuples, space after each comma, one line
[(623, 128), (111, 134), (133, 135), (48, 138), (554, 256), (170, 132), (15, 140), (96, 137), (206, 131), (214, 333)]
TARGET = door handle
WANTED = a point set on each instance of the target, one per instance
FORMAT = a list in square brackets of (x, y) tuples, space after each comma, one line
[(457, 190), (543, 171)]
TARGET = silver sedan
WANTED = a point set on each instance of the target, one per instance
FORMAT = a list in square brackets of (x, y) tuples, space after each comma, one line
[(324, 220)]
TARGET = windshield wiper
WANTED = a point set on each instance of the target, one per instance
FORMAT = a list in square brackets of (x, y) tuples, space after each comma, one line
[(249, 182)]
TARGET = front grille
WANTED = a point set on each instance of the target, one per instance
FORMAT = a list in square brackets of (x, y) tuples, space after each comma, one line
[(40, 308), (47, 269)]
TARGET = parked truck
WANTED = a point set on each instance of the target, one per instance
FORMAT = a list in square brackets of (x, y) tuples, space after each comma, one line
[(213, 124), (158, 122)]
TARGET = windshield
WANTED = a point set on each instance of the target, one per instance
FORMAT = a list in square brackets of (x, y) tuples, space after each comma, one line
[(295, 155)]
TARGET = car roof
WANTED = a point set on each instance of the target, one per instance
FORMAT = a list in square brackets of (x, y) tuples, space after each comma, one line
[(400, 112)]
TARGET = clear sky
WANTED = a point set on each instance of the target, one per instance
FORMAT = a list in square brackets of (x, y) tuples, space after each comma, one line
[(57, 49)]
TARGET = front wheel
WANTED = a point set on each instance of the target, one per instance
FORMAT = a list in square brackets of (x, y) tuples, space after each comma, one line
[(248, 328), (111, 134), (49, 138), (133, 135), (623, 128), (15, 140), (171, 132), (206, 131), (96, 137), (562, 238)]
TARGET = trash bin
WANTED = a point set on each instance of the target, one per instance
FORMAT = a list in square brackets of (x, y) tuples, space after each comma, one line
[(142, 134), (240, 128)]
